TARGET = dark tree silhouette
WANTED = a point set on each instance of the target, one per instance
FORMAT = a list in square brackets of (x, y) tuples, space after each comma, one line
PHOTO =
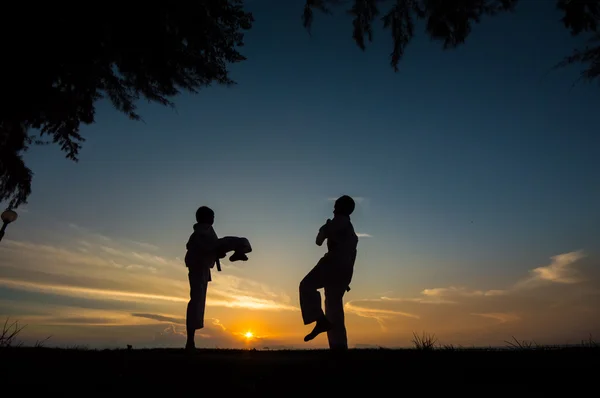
[(447, 21), (68, 57), (583, 16), (450, 22), (60, 59)]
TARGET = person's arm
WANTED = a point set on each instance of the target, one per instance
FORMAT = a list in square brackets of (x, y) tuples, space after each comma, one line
[(322, 235)]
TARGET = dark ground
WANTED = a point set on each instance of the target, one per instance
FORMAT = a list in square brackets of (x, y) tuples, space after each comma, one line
[(289, 373)]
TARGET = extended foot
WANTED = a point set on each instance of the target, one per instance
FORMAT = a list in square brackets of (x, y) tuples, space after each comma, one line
[(323, 325), (238, 257)]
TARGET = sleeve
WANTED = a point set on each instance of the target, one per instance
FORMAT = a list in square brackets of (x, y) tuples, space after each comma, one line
[(323, 233)]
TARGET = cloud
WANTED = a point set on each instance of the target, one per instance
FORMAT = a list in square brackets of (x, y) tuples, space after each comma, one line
[(218, 324), (227, 299), (534, 300), (98, 267), (134, 290), (560, 270), (454, 291), (88, 232), (420, 300), (235, 292), (173, 335), (82, 320), (65, 315), (434, 296), (500, 316), (161, 318), (213, 335), (380, 315), (143, 245), (363, 235), (76, 291), (98, 328), (101, 328)]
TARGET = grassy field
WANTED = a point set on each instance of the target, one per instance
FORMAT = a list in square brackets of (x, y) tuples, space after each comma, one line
[(292, 372), (427, 367)]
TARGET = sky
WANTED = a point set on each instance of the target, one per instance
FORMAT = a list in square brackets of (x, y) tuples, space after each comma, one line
[(475, 173)]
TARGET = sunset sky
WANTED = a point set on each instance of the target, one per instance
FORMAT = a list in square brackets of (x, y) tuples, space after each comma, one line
[(476, 174)]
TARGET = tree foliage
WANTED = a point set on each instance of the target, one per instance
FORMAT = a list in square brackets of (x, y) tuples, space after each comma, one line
[(60, 59), (447, 21), (450, 22), (583, 16)]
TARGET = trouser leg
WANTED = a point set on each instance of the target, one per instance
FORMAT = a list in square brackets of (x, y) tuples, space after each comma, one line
[(334, 310), (196, 304), (310, 298)]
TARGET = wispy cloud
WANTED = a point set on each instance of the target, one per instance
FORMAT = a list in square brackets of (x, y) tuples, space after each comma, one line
[(102, 290), (454, 291), (84, 292), (363, 235), (419, 300), (432, 296), (123, 271), (89, 232), (74, 320), (214, 332), (88, 254), (380, 315), (501, 317), (161, 318), (225, 298), (144, 245), (560, 271), (73, 316)]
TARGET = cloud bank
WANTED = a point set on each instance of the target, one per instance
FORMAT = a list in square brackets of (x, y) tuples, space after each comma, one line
[(92, 280), (555, 302)]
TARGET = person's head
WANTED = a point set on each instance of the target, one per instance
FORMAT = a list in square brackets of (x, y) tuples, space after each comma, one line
[(344, 205), (205, 215)]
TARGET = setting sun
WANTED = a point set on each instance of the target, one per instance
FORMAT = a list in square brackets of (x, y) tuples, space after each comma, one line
[(248, 335)]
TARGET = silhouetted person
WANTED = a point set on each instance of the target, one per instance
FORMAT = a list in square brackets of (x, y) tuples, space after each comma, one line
[(204, 249), (333, 272)]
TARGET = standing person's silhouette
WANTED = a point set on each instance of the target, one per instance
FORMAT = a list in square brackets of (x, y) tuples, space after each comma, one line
[(333, 272), (201, 256), (204, 249)]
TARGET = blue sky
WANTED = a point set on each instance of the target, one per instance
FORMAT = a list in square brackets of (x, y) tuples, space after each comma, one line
[(473, 166)]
